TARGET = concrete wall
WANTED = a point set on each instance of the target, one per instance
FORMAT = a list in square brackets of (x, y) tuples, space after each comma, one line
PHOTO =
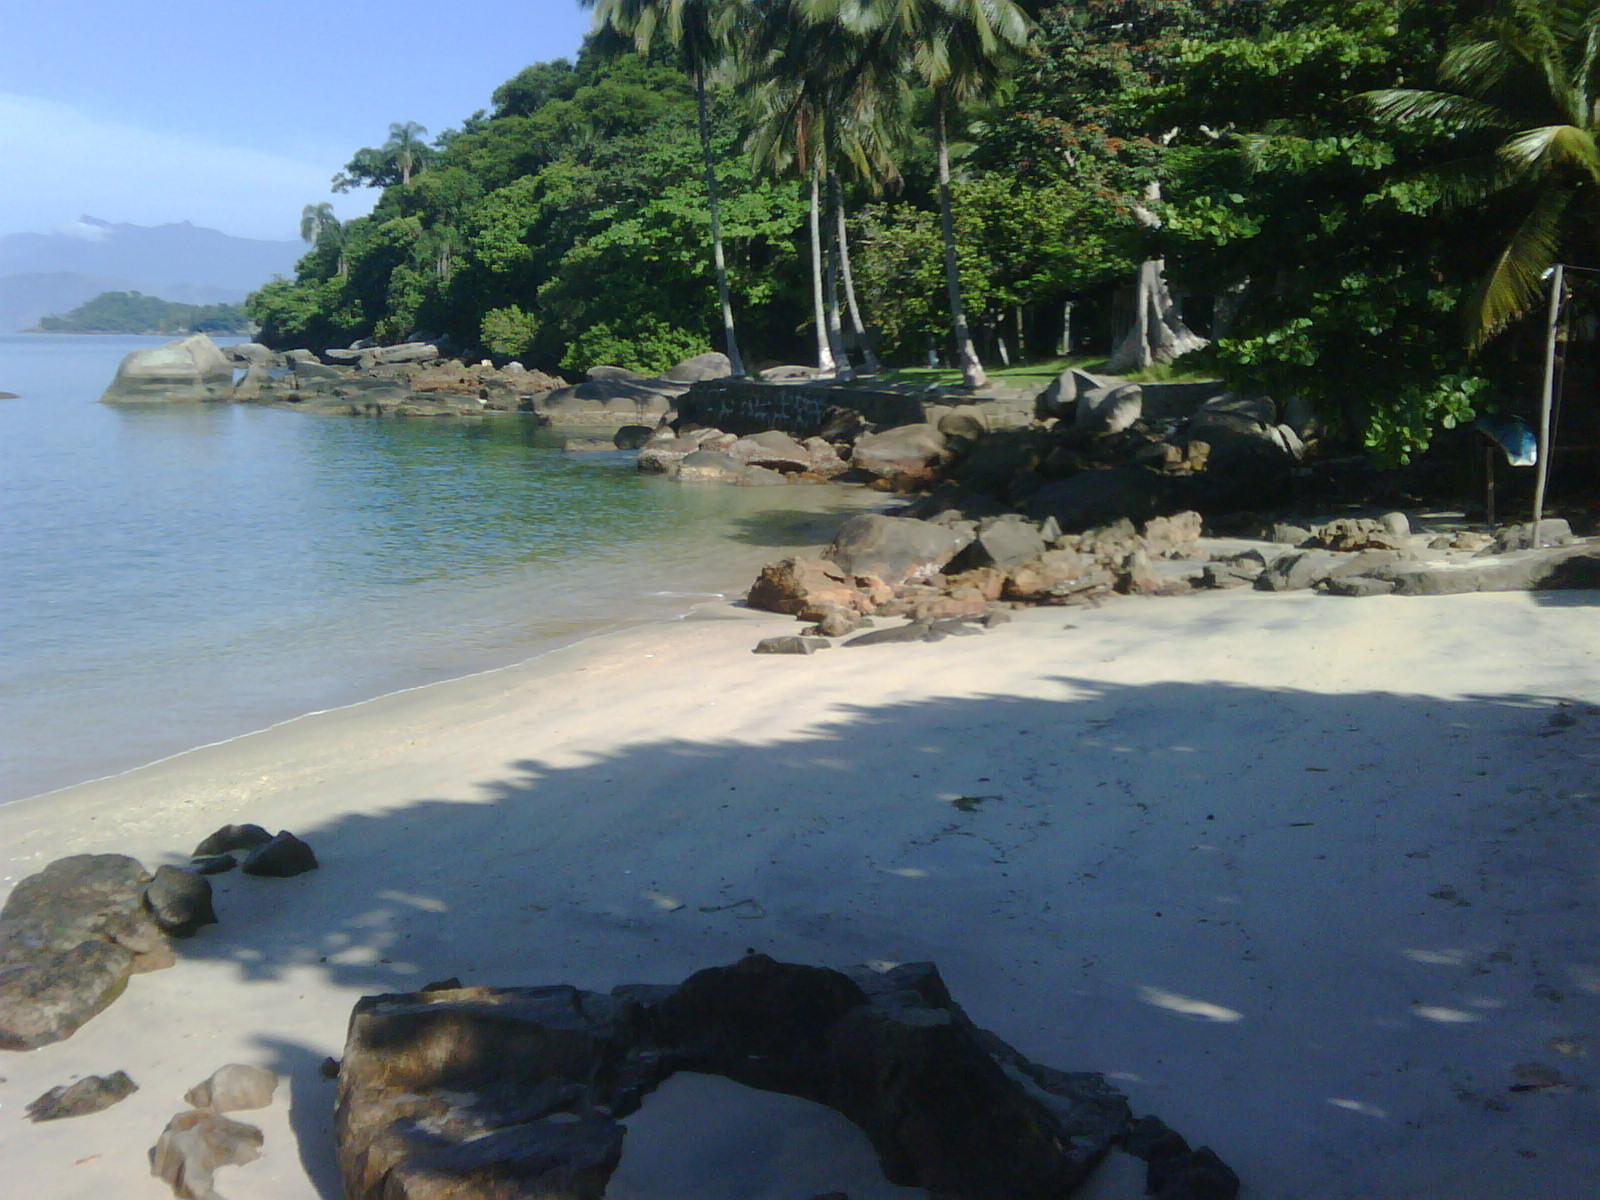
[(749, 406)]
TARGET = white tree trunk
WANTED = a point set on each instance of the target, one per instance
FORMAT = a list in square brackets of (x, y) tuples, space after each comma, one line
[(1158, 334), (971, 369), (819, 316)]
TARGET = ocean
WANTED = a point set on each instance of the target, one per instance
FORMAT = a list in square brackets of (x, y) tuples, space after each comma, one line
[(176, 575)]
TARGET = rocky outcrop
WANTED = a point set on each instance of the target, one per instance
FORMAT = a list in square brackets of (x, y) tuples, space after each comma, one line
[(70, 937), (187, 370), (502, 1092), (608, 403)]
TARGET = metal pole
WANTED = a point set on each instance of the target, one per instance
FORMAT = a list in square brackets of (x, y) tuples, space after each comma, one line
[(1542, 469)]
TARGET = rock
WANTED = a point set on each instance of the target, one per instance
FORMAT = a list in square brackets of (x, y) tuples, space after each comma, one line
[(837, 622), (230, 838), (1136, 577), (180, 901), (586, 446), (213, 864), (660, 455), (1046, 575), (1177, 536), (1060, 396), (1357, 585), (189, 369), (1228, 575), (1090, 498), (894, 549), (250, 352), (714, 365), (711, 466), (70, 936), (1292, 572), (906, 457), (1553, 569), (607, 403), (1002, 542), (773, 450), (1553, 531), (483, 1092), (406, 352), (912, 631), (632, 437), (1289, 535), (91, 1094), (1109, 409), (964, 423), (233, 1088), (283, 856), (611, 373), (792, 645), (192, 1147), (310, 371), (802, 583), (1354, 534), (1396, 524)]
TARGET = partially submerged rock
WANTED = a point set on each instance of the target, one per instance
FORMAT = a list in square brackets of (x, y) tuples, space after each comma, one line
[(186, 369)]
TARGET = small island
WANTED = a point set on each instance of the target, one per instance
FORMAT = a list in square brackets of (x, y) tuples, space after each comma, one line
[(136, 313)]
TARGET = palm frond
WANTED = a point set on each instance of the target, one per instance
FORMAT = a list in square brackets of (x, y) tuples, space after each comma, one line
[(1540, 151), (1404, 105), (1511, 284)]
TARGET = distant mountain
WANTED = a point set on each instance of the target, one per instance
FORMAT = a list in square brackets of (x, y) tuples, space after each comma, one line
[(44, 274)]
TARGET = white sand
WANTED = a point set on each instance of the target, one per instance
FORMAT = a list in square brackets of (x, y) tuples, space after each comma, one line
[(1309, 877)]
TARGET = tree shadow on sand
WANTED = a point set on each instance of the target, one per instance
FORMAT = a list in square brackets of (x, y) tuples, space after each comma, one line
[(1228, 898)]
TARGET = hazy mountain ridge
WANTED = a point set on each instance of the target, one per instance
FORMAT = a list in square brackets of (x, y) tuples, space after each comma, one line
[(44, 274)]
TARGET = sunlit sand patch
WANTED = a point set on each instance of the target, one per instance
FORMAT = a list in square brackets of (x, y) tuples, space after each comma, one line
[(1447, 1016), (1186, 1006)]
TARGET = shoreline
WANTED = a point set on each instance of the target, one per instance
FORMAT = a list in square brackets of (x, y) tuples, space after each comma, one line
[(1203, 850)]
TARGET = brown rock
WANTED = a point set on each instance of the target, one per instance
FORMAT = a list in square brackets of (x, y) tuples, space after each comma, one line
[(801, 584), (192, 1147)]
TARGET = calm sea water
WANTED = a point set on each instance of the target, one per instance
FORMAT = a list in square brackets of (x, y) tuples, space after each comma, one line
[(176, 575)]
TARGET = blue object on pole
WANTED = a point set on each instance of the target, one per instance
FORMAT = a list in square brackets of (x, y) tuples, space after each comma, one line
[(1513, 435)]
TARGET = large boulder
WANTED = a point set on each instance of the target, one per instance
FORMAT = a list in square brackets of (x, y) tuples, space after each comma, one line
[(608, 403), (714, 365), (906, 457), (894, 549), (473, 1093), (1089, 499), (712, 466), (70, 936), (189, 369), (1109, 409), (802, 585), (1060, 396)]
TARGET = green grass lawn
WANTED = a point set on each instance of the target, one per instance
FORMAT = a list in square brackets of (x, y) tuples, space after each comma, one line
[(1040, 373)]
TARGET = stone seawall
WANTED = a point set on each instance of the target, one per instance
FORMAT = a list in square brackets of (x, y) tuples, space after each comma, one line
[(744, 406)]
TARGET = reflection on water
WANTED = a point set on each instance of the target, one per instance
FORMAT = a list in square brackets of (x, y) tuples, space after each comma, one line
[(176, 574)]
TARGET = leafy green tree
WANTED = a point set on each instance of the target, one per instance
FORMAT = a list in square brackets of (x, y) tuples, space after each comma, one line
[(1521, 94), (698, 31), (961, 50)]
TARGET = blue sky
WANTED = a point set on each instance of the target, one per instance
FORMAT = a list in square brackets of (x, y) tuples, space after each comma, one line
[(236, 115)]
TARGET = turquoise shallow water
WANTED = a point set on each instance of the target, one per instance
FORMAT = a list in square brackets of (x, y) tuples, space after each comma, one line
[(178, 574)]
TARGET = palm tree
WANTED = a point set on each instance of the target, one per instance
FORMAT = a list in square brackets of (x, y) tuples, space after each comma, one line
[(698, 30), (406, 149), (1528, 81), (960, 49), (315, 221)]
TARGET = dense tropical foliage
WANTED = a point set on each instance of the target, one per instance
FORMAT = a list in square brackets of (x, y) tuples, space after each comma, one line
[(134, 312), (1328, 191)]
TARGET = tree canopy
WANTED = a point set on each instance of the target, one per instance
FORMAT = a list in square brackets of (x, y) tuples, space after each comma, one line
[(1335, 187)]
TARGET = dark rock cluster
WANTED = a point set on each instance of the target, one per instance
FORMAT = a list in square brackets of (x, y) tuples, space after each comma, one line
[(519, 1092), (72, 934)]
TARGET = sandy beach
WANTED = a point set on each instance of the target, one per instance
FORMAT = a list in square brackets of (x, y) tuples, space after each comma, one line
[(1312, 879)]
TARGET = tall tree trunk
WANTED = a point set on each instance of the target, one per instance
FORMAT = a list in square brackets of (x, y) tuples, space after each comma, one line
[(831, 285), (730, 339), (1158, 334), (971, 369), (869, 360), (819, 316)]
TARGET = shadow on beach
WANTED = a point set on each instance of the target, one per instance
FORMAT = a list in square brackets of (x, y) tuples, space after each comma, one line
[(1297, 924)]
